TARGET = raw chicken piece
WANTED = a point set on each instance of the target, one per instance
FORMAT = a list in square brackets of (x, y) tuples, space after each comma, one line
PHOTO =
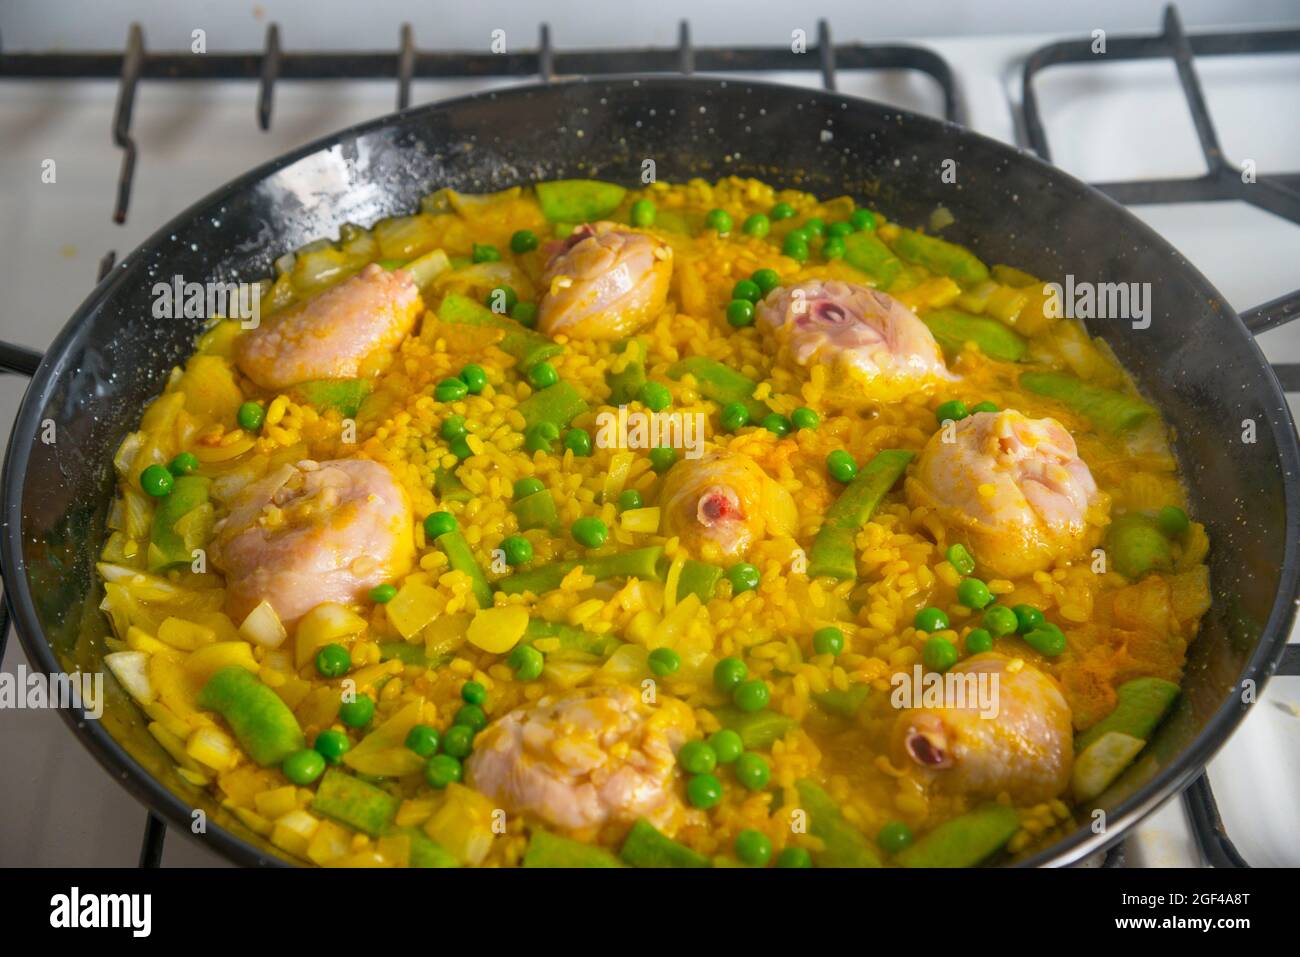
[(1012, 487), (865, 336), (1023, 744), (311, 533), (604, 282), (722, 502), (344, 332), (585, 758)]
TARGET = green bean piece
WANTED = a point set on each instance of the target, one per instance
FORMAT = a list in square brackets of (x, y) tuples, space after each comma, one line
[(940, 256), (844, 704), (833, 551), (262, 722), (536, 511), (865, 252), (646, 847), (356, 803), (952, 329), (845, 845), (558, 404), (699, 579), (642, 563), (526, 347), (1107, 409), (757, 729), (1142, 704), (448, 487), (461, 558), (1136, 546), (571, 637), (625, 386), (963, 841), (720, 383), (550, 850), (578, 200), (168, 548)]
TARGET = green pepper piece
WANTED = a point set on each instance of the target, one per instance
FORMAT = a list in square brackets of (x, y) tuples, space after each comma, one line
[(963, 841), (1142, 704), (262, 722), (846, 846), (642, 563), (1107, 409), (720, 383), (550, 850), (646, 847), (571, 638), (536, 511), (845, 703), (461, 558), (558, 404), (833, 552), (940, 256), (578, 200), (865, 252), (757, 729), (343, 395), (952, 329), (353, 802), (167, 548), (1136, 546)]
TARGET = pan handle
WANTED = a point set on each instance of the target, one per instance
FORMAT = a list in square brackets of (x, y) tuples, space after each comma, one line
[(18, 359), (1274, 313)]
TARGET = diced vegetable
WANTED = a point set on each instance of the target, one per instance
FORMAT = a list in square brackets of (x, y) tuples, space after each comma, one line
[(463, 824), (845, 845), (642, 563), (550, 850), (557, 404), (262, 722), (757, 729), (1142, 704), (833, 552), (428, 267), (327, 623), (131, 669), (383, 752), (1137, 546), (1101, 762), (426, 852), (497, 630), (461, 558), (952, 329), (536, 511), (353, 802), (626, 383), (964, 841), (578, 200), (940, 256), (646, 847), (414, 606), (167, 547), (526, 347), (570, 637), (342, 395), (845, 703), (262, 626), (448, 486), (864, 251), (720, 383), (698, 579), (1105, 408)]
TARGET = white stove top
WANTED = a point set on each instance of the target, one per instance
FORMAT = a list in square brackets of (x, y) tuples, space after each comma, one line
[(1119, 121)]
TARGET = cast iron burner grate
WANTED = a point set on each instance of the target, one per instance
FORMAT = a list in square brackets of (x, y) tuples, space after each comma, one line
[(1277, 193)]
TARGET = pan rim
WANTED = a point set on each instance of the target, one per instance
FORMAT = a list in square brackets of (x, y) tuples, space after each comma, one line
[(155, 795)]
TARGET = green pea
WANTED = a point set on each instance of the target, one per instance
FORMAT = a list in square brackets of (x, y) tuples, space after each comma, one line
[(442, 770), (727, 745), (453, 427), (863, 219), (655, 396), (578, 441), (985, 406), (1047, 639), (930, 619), (974, 594), (662, 458), (757, 225), (543, 375), (525, 313), (743, 577), (250, 416), (629, 498), (697, 757), (331, 745), (460, 448), (961, 559), (740, 313), (954, 409), (894, 837), (794, 857), (333, 661), (728, 674), (1172, 521), (752, 771), (703, 791), (358, 713), (718, 219), (815, 227), (781, 211), (501, 299), (999, 620), (303, 767), (450, 390), (475, 378), (523, 241), (753, 848), (183, 464), (796, 247), (777, 424), (833, 248), (423, 740), (839, 230), (828, 641), (746, 289), (383, 594), (938, 654), (438, 523), (979, 641), (643, 213), (157, 481), (1027, 618), (766, 280), (751, 695), (589, 531), (518, 550), (526, 662), (471, 716), (458, 740), (734, 416), (525, 487), (804, 418), (484, 253), (840, 466), (664, 662), (473, 692)]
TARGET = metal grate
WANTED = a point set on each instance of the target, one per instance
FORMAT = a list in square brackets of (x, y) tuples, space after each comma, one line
[(1276, 193)]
